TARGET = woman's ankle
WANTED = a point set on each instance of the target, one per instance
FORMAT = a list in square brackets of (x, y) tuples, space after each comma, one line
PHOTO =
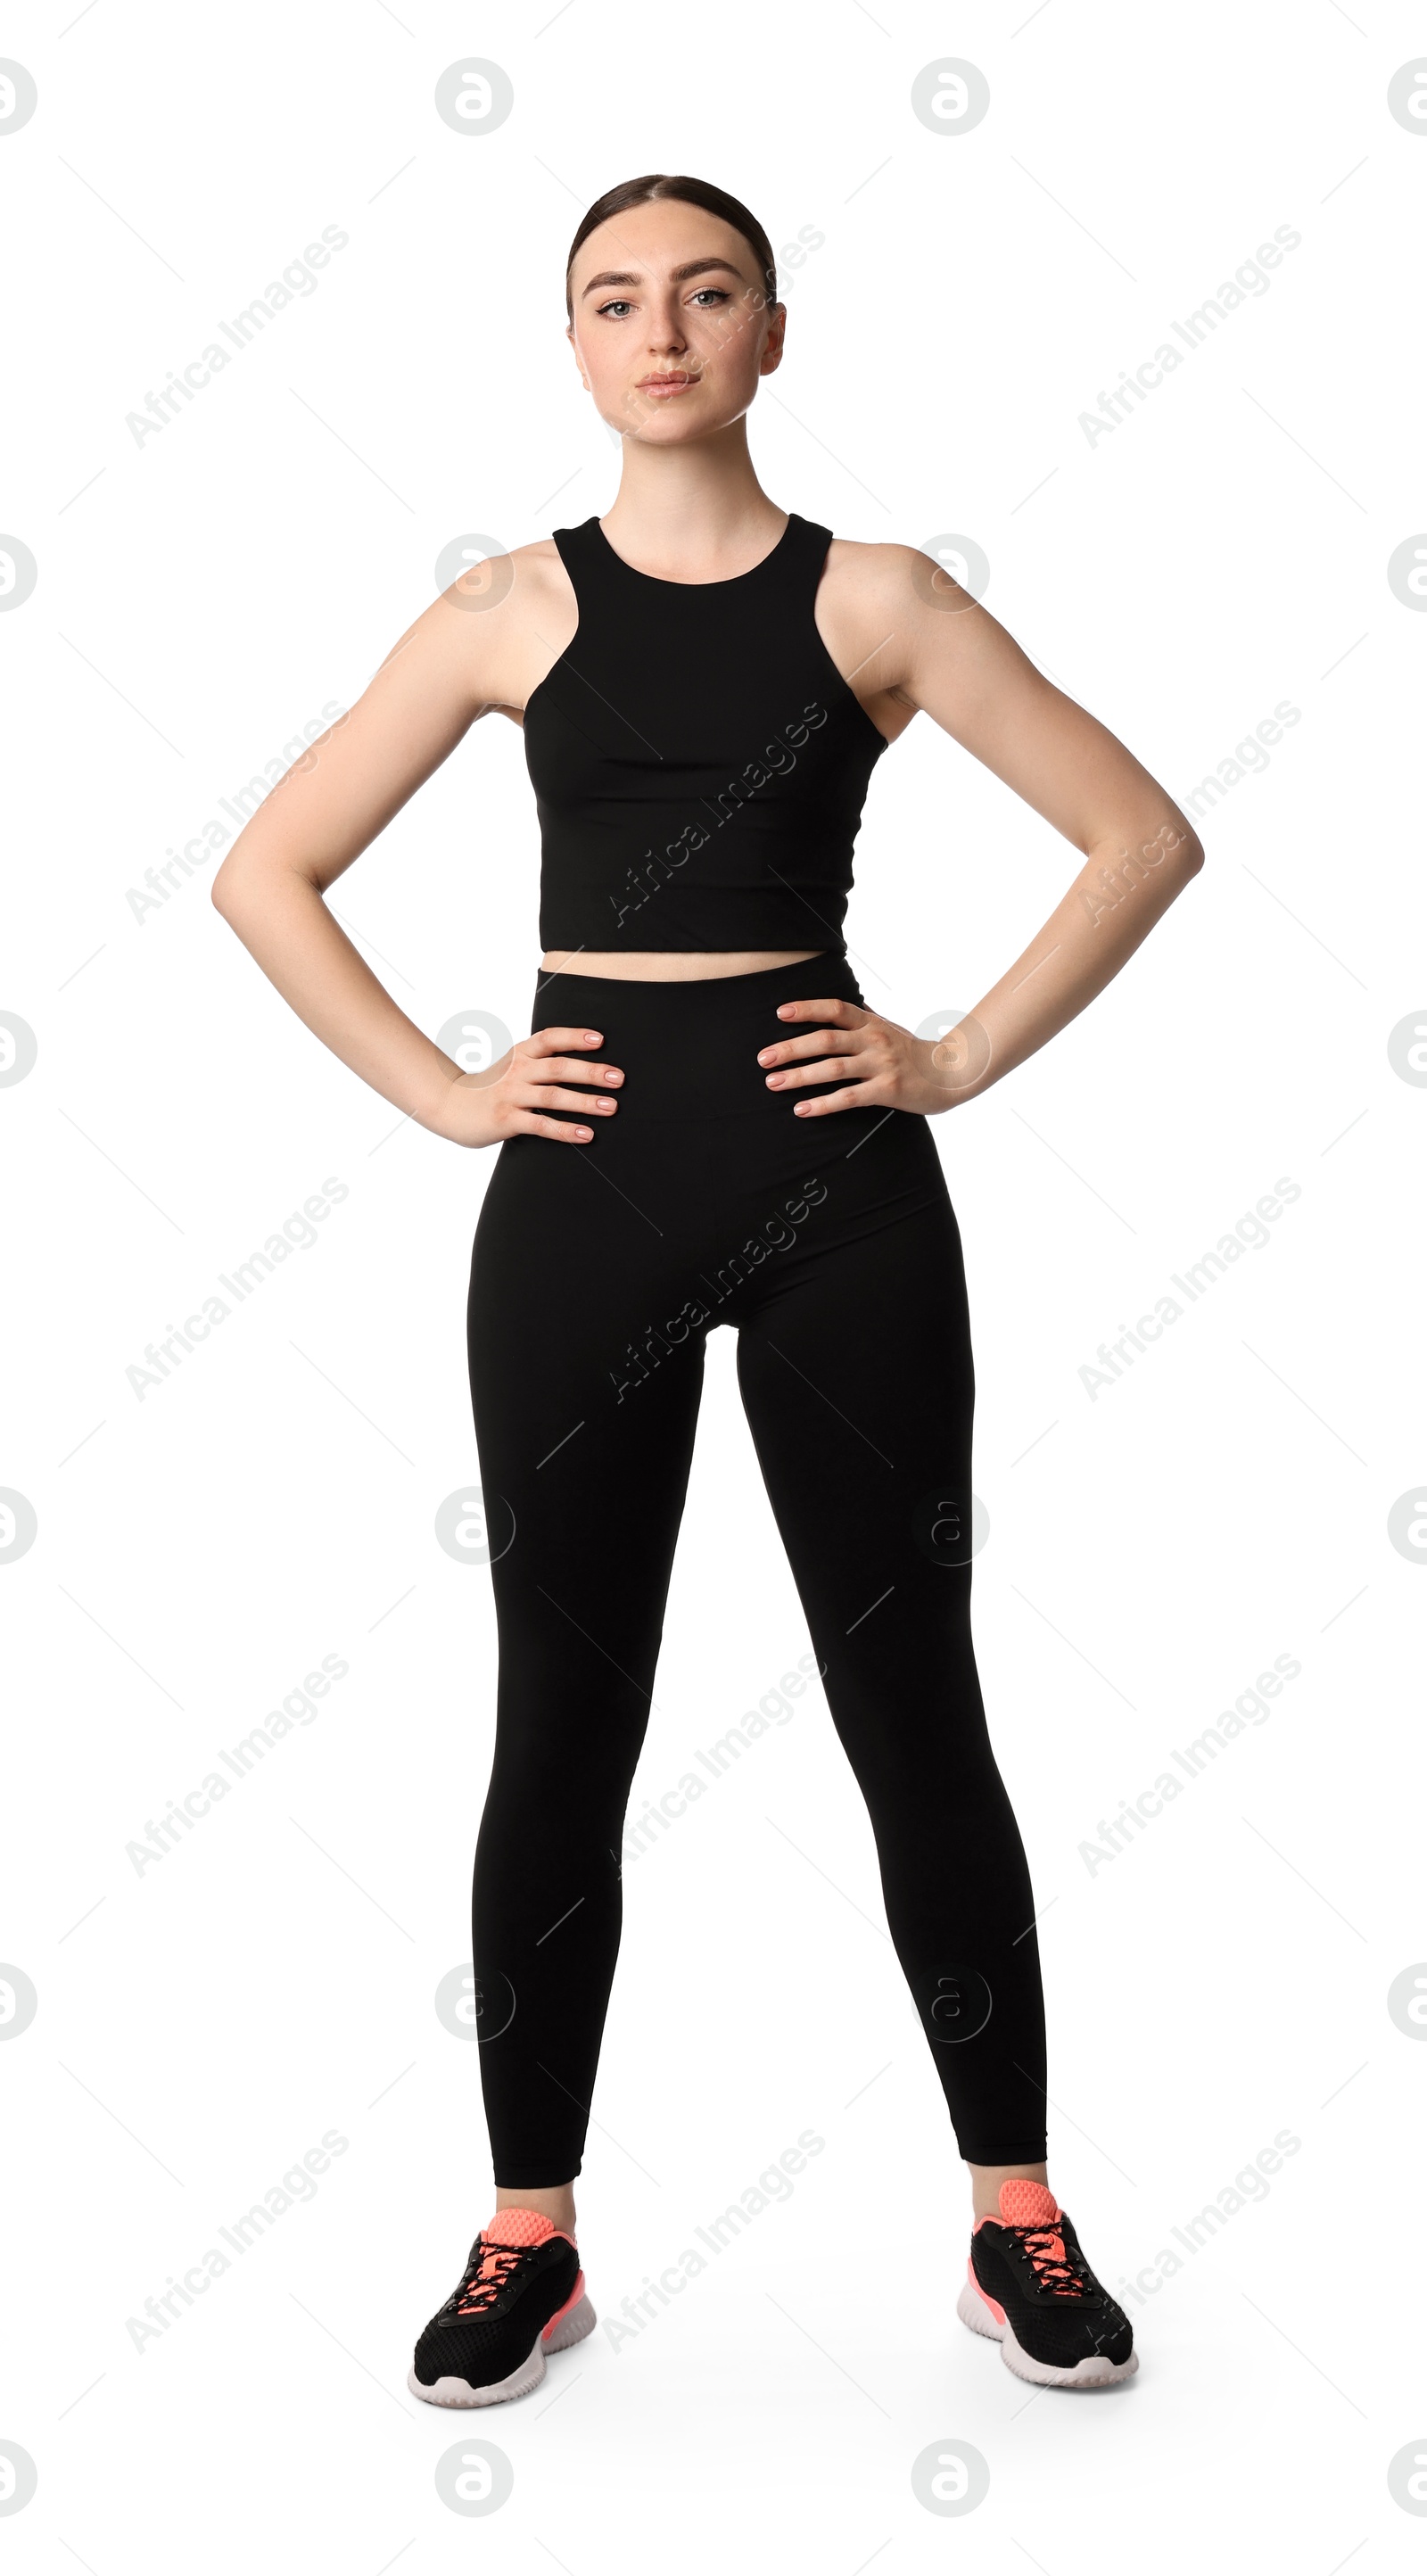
[(555, 2201), (986, 2181)]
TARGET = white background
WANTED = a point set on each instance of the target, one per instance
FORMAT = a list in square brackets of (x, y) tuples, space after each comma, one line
[(199, 598)]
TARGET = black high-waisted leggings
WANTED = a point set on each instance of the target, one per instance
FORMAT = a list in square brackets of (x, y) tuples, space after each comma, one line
[(831, 1246)]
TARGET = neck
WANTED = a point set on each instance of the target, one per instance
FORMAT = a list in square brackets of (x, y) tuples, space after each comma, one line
[(691, 511)]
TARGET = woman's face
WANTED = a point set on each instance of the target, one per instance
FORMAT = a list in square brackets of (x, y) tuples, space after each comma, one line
[(671, 329)]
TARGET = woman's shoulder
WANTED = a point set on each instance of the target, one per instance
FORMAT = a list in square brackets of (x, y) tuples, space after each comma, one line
[(515, 602), (869, 603), (877, 569), (539, 567), (516, 579)]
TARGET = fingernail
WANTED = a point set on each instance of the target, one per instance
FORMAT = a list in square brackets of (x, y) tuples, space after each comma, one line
[(585, 1132), (800, 1109), (592, 1037), (773, 1080), (763, 1054)]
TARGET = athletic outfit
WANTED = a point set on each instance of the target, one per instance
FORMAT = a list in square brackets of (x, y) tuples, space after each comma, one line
[(699, 766)]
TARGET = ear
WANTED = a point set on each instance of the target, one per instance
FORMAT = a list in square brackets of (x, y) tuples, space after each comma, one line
[(773, 350), (570, 336)]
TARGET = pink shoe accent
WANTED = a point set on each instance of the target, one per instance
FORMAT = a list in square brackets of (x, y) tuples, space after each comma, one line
[(1028, 2204), (1033, 2208), (560, 2314), (506, 2237), (519, 2227)]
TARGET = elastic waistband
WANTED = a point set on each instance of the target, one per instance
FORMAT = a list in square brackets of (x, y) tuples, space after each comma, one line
[(690, 1048)]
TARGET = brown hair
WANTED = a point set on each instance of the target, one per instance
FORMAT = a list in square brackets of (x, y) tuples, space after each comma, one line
[(690, 192)]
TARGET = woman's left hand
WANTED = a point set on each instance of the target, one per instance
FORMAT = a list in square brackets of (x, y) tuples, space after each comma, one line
[(884, 1065)]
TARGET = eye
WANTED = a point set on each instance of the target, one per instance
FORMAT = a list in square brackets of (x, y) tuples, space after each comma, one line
[(719, 293), (619, 305)]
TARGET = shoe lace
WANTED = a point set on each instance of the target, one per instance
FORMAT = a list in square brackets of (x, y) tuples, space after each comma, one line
[(1054, 2268), (487, 2276)]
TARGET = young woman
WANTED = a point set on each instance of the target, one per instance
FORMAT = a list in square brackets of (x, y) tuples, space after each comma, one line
[(708, 1125)]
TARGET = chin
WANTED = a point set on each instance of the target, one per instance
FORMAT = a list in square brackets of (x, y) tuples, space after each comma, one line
[(672, 423)]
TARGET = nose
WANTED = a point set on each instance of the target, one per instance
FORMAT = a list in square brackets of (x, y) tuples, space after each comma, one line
[(666, 332)]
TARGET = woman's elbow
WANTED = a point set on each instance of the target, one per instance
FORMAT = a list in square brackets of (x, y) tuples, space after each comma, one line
[(1187, 851), (245, 882)]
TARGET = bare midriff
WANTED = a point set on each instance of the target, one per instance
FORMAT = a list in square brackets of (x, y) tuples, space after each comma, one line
[(670, 965)]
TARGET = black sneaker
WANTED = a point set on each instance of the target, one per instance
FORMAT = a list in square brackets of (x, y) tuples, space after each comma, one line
[(1029, 2285), (522, 2294)]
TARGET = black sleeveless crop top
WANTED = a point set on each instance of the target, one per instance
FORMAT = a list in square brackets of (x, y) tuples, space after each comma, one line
[(698, 760)]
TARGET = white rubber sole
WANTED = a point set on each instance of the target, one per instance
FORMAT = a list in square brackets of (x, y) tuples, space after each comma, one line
[(1095, 2371), (569, 2325)]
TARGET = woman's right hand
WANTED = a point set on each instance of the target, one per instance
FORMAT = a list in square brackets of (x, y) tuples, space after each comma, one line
[(513, 1096)]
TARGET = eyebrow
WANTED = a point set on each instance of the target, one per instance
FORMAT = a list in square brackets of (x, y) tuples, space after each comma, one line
[(631, 277)]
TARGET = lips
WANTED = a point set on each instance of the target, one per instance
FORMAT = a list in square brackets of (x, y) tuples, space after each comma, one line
[(671, 384)]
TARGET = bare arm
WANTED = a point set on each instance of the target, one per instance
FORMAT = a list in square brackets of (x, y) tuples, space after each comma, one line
[(945, 653), (448, 669)]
